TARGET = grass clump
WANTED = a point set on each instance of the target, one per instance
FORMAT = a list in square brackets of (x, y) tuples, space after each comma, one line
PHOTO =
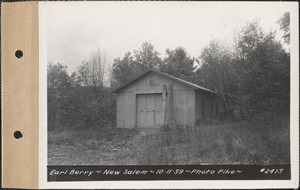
[(253, 142), (222, 143)]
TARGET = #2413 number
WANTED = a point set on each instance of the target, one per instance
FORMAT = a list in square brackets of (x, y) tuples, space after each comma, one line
[(271, 171)]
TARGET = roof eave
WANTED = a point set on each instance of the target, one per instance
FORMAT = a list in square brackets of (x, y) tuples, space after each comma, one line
[(209, 91), (167, 76), (129, 82)]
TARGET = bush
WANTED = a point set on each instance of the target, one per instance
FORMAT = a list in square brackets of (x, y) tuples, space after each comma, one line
[(253, 142), (257, 141)]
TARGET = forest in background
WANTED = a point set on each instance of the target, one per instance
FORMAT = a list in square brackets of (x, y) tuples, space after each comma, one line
[(252, 76)]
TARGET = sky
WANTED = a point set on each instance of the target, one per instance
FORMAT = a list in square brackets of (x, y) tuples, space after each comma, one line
[(77, 29)]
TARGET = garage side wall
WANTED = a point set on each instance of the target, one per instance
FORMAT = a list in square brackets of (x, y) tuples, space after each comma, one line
[(206, 106), (184, 107)]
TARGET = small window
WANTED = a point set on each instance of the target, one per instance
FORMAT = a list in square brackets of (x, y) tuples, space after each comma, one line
[(211, 107), (203, 108)]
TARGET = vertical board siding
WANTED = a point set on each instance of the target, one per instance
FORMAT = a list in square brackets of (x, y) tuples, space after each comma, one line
[(149, 110), (145, 93), (209, 107), (184, 107), (197, 108), (142, 85), (127, 97), (126, 110)]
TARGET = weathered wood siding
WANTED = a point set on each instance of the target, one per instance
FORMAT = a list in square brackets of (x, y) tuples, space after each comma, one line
[(141, 85), (183, 100), (184, 107), (125, 110), (206, 106), (149, 110)]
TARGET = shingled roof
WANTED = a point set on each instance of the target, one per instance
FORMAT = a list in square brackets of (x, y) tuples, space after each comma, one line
[(189, 84)]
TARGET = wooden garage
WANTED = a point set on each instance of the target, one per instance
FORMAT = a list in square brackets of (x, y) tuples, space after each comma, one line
[(154, 99)]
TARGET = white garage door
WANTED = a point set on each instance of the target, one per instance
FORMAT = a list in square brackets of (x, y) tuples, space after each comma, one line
[(149, 110)]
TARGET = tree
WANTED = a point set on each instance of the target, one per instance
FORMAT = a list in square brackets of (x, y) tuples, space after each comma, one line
[(124, 70), (252, 77), (262, 72), (216, 71), (95, 71), (83, 98), (179, 64), (132, 65), (147, 56), (93, 93), (59, 92), (263, 69), (284, 23)]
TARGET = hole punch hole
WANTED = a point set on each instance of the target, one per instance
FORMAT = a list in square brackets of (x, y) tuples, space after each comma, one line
[(18, 135), (19, 54)]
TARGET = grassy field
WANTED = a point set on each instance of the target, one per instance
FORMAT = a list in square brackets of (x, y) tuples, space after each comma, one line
[(256, 142)]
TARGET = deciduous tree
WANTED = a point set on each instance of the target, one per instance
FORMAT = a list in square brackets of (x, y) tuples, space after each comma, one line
[(284, 23), (179, 64)]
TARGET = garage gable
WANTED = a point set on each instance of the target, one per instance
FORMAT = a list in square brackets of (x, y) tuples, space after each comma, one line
[(164, 75)]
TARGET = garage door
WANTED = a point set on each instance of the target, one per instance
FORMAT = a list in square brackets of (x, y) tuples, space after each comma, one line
[(149, 110)]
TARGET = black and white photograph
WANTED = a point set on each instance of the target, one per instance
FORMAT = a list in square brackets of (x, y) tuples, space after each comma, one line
[(148, 84)]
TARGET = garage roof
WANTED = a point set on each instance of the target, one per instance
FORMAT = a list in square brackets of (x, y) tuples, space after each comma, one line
[(192, 85)]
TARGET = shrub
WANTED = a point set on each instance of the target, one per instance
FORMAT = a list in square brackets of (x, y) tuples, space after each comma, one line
[(252, 142)]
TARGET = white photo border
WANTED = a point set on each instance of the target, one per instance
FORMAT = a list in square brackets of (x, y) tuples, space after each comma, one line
[(187, 184)]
